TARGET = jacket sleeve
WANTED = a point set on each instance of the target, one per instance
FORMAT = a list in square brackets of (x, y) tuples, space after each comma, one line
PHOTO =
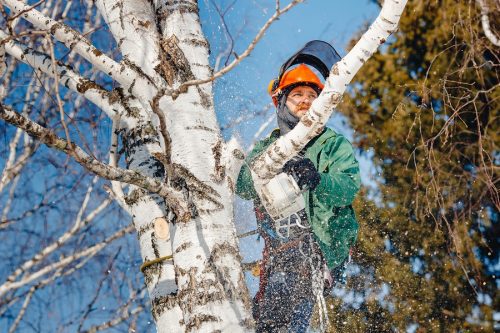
[(339, 170), (244, 185)]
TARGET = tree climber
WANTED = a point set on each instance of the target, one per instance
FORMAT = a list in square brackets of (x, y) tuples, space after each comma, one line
[(305, 251)]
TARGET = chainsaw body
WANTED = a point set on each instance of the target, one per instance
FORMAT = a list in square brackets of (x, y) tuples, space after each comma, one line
[(282, 197)]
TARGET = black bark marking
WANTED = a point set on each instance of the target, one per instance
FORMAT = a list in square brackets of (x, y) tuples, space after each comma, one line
[(205, 99), (335, 99), (137, 69), (199, 127), (197, 293), (84, 84), (145, 228), (219, 169), (152, 271), (197, 320), (335, 69), (154, 245), (198, 42), (181, 6), (173, 63), (183, 247), (163, 303)]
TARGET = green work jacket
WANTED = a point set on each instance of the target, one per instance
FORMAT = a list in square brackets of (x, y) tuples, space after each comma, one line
[(328, 206)]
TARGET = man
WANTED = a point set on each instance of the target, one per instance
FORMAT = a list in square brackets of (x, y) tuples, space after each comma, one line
[(314, 243)]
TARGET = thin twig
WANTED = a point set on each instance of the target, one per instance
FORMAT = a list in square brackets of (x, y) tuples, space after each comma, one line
[(25, 10), (21, 313), (56, 88), (246, 53)]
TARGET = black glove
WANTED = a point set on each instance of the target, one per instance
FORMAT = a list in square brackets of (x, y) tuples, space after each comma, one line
[(303, 171)]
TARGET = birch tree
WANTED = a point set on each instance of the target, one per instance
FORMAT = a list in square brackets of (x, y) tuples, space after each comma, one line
[(179, 172)]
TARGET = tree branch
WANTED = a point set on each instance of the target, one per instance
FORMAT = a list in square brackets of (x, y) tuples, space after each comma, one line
[(137, 39), (120, 72), (174, 198), (268, 164), (79, 223), (21, 313), (245, 54), (56, 88), (116, 189), (485, 21), (107, 101), (12, 285)]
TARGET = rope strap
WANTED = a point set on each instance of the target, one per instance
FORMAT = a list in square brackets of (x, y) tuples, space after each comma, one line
[(248, 233), (155, 261)]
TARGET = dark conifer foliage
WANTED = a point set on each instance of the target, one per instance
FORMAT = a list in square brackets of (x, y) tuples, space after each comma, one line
[(427, 105)]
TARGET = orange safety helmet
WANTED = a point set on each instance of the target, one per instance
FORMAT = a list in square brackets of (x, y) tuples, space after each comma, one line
[(298, 75)]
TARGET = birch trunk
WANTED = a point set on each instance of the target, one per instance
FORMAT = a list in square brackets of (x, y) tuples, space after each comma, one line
[(211, 293), (137, 39), (212, 290)]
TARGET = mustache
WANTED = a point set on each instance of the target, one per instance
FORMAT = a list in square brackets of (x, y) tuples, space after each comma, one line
[(303, 106)]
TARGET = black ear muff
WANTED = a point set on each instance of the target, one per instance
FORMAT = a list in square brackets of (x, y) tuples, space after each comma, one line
[(276, 84), (316, 53)]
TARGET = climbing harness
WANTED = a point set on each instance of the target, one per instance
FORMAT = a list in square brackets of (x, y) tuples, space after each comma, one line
[(292, 227)]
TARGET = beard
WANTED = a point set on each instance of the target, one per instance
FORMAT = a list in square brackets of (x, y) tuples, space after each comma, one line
[(301, 109)]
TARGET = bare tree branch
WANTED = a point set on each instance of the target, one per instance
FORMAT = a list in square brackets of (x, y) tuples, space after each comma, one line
[(98, 290), (21, 313), (120, 72), (116, 187), (245, 54), (79, 223), (108, 101), (56, 88), (229, 49), (174, 198), (126, 315), (12, 285)]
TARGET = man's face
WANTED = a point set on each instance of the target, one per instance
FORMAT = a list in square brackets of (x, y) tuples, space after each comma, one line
[(299, 100)]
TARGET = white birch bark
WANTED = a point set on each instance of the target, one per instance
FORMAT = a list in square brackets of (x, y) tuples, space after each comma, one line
[(105, 100), (132, 24), (212, 290), (129, 78)]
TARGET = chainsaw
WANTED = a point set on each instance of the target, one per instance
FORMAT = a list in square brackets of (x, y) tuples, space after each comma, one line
[(285, 204), (282, 197)]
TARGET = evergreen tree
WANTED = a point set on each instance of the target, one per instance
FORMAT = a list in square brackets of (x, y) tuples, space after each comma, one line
[(428, 107)]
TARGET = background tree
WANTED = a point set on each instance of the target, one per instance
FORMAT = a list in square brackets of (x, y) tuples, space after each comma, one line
[(427, 107)]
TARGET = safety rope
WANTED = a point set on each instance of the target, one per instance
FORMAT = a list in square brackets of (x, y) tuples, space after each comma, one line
[(248, 233), (318, 284), (154, 261)]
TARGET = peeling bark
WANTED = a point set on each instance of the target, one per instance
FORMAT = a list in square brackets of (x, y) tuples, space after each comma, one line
[(174, 65)]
